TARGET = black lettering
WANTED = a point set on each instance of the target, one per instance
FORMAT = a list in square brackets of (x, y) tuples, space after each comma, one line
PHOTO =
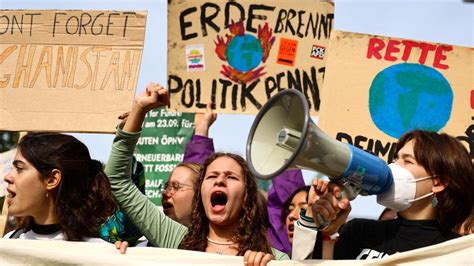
[(7, 23), (300, 23), (198, 95), (279, 22), (82, 26), (183, 24), (326, 22), (213, 93), (126, 22), (381, 149), (18, 25), (100, 25), (55, 21), (225, 84), (358, 140), (110, 23), (207, 20), (294, 83), (311, 84), (188, 85), (235, 90), (343, 136), (291, 15), (76, 27), (31, 20), (228, 20), (269, 88), (252, 16), (247, 93), (173, 79), (313, 25)]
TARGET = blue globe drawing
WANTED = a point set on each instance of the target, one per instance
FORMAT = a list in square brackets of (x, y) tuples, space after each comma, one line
[(407, 96), (244, 52)]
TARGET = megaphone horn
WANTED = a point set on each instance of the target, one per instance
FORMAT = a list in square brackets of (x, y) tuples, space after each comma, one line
[(283, 136)]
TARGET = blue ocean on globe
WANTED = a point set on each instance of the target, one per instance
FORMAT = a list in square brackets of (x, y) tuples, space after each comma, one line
[(244, 52), (408, 96)]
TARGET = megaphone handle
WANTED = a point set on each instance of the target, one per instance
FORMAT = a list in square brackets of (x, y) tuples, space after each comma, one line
[(323, 223)]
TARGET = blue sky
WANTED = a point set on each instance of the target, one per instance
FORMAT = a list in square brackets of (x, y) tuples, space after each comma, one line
[(443, 21)]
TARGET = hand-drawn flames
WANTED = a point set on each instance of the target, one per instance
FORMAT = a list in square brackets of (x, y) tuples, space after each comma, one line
[(266, 39)]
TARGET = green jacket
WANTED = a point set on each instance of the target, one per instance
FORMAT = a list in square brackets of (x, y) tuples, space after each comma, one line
[(159, 229)]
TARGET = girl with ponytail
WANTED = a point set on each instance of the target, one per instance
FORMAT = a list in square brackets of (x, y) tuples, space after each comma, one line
[(57, 190)]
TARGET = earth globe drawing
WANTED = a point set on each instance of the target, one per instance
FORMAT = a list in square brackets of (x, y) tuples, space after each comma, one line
[(244, 52), (407, 96)]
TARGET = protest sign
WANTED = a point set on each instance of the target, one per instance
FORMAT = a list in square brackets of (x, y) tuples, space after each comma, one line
[(377, 88), (238, 54), (68, 70), (161, 146)]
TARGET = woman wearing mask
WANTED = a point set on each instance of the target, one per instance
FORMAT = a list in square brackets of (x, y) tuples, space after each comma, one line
[(432, 193), (57, 190), (224, 216)]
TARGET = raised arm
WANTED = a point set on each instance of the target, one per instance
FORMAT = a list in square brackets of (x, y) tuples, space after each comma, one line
[(157, 228), (201, 146)]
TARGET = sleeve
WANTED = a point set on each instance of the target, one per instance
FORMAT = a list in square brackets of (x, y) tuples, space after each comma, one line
[(282, 187), (147, 217), (198, 149), (278, 255), (304, 238), (348, 245)]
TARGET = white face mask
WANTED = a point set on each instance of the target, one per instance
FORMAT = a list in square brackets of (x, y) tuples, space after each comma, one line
[(402, 193)]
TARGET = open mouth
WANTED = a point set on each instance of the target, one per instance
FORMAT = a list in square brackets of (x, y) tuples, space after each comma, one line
[(10, 195), (218, 200), (291, 227), (167, 205)]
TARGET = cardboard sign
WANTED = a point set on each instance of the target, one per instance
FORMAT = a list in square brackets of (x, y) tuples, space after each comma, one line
[(246, 52), (377, 88), (161, 146), (68, 70)]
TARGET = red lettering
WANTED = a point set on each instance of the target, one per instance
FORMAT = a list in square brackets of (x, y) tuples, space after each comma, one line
[(408, 45), (394, 50), (440, 56), (375, 46), (472, 99), (391, 48), (425, 48)]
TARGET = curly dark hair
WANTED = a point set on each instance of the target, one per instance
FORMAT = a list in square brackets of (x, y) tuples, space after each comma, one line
[(250, 234), (83, 198), (444, 156)]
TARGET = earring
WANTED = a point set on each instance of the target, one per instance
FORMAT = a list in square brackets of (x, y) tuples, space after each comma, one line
[(434, 201), (47, 194)]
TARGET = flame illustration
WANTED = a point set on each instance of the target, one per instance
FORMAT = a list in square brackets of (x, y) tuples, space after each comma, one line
[(266, 39), (242, 77)]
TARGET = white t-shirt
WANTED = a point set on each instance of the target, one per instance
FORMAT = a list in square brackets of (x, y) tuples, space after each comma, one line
[(53, 236)]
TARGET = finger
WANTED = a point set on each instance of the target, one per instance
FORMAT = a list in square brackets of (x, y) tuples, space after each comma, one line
[(324, 186), (117, 244), (251, 258), (258, 258), (335, 189), (246, 257), (123, 247), (266, 259), (209, 107)]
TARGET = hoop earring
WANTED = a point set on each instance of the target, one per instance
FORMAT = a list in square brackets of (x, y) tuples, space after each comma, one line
[(434, 201)]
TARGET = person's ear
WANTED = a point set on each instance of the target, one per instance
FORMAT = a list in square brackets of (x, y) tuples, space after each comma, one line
[(53, 180), (438, 185)]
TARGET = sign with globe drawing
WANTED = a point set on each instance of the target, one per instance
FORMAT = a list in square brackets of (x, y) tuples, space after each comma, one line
[(237, 54), (381, 87)]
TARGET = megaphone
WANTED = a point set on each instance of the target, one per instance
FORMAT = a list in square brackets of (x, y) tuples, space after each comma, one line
[(283, 136)]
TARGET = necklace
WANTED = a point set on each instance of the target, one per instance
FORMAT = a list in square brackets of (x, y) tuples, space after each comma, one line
[(215, 244)]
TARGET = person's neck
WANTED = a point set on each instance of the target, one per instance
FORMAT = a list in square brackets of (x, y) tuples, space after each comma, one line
[(221, 233), (419, 210), (46, 216)]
